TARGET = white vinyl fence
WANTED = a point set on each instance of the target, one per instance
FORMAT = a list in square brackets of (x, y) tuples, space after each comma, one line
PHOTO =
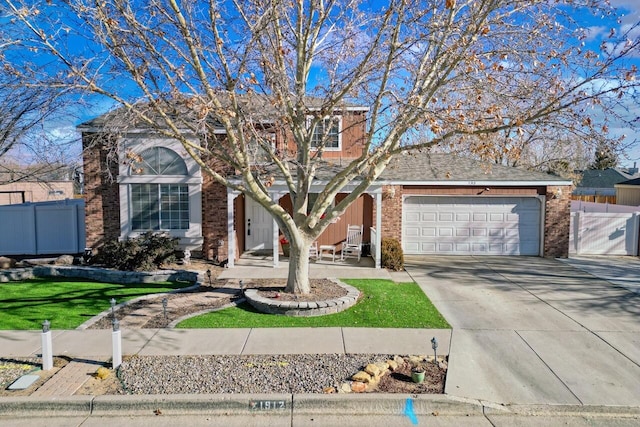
[(595, 233), (42, 228)]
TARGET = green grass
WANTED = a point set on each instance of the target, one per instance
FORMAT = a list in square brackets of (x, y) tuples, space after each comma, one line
[(385, 304), (66, 303)]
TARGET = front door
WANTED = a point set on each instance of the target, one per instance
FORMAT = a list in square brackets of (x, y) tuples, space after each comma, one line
[(258, 227)]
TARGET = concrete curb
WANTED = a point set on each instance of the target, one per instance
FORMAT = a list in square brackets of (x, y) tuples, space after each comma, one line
[(297, 404), (52, 406)]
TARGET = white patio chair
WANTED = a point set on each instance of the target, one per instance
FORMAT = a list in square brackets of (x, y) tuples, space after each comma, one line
[(352, 246)]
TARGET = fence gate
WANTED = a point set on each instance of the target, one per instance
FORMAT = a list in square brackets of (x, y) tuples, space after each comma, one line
[(594, 233)]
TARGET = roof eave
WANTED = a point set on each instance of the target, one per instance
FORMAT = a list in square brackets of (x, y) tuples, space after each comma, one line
[(475, 183)]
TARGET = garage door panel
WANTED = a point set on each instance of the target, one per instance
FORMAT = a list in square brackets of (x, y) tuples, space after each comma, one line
[(415, 217), (468, 225), (428, 216), (479, 217), (496, 217), (445, 231), (412, 231)]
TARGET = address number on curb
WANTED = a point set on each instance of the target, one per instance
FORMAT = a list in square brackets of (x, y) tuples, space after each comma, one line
[(267, 405)]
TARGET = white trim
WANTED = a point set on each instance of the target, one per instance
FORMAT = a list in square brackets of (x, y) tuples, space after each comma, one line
[(231, 232), (543, 222), (471, 183), (331, 119), (378, 254), (160, 179)]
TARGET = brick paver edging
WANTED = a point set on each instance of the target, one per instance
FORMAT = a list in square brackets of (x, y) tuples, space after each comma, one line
[(303, 308)]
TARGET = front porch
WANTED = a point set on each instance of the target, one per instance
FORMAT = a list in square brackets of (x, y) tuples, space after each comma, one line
[(252, 230), (256, 266)]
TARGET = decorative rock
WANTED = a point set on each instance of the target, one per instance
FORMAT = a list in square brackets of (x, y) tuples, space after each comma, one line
[(102, 373), (443, 365), (399, 360), (64, 260), (358, 387), (372, 370), (393, 365), (362, 377), (6, 263), (415, 360), (329, 390), (383, 366), (345, 388)]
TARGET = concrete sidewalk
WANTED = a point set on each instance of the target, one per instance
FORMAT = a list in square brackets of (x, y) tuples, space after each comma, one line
[(96, 344)]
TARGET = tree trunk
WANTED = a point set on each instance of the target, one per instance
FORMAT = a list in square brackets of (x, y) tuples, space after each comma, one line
[(298, 280)]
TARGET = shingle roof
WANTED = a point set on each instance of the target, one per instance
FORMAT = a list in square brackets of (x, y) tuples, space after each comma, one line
[(444, 167), (259, 107), (605, 178), (635, 181)]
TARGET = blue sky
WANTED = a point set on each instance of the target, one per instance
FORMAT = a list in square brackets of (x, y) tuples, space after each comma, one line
[(599, 29)]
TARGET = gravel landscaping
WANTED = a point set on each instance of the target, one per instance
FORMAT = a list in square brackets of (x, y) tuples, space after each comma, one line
[(301, 373)]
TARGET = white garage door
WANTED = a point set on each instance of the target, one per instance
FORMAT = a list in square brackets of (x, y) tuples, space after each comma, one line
[(471, 225)]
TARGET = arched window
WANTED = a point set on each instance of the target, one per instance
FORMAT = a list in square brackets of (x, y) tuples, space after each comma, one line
[(163, 206), (159, 161)]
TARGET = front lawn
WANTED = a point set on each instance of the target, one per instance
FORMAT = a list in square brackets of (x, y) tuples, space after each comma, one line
[(384, 304), (66, 303)]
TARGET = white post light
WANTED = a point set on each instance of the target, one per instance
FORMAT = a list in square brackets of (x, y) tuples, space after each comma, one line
[(47, 347), (116, 343)]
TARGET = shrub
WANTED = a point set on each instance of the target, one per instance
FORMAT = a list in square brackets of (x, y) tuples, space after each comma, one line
[(144, 253), (392, 255)]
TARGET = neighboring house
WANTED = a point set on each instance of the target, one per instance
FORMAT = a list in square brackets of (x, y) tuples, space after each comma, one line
[(432, 203), (35, 191), (628, 192), (597, 185)]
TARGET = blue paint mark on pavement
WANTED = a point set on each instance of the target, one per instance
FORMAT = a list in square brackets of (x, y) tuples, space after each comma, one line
[(408, 411)]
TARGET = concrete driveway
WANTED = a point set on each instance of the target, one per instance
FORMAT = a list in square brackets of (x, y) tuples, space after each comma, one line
[(534, 331)]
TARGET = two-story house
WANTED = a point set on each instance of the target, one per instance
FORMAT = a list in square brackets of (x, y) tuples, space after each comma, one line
[(433, 203)]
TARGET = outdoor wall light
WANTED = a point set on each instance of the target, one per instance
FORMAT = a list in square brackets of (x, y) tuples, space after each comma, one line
[(87, 255), (557, 194), (46, 326), (434, 346)]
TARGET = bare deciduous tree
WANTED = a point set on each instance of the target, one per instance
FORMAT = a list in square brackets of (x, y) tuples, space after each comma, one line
[(432, 73)]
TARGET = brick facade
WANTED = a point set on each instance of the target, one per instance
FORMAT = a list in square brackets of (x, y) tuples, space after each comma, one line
[(557, 212), (214, 219), (391, 212), (102, 202)]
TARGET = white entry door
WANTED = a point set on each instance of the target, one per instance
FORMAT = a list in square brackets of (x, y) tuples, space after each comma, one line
[(258, 227)]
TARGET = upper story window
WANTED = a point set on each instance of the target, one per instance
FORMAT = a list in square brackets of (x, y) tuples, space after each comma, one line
[(159, 161), (327, 134)]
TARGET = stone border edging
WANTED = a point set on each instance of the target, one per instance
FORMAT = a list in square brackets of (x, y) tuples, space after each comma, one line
[(16, 274), (115, 276), (303, 308), (173, 324)]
